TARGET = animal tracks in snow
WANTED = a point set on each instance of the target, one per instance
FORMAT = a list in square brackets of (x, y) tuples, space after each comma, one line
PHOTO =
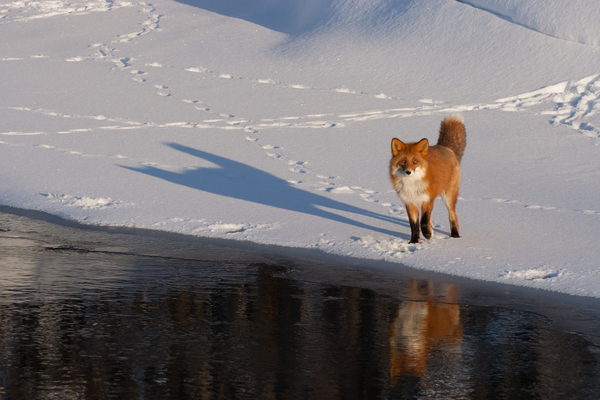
[(23, 11), (314, 121), (72, 152), (571, 104), (127, 124), (574, 103), (300, 167)]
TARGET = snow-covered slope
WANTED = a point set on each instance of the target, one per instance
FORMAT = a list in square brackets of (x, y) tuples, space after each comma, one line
[(574, 20), (272, 123)]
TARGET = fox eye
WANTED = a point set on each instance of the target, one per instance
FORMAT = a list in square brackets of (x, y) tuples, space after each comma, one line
[(415, 161), (403, 161)]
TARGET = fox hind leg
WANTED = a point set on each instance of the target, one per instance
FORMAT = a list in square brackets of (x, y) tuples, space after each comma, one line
[(454, 227), (450, 202)]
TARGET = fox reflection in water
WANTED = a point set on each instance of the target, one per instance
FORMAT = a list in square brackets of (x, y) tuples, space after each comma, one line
[(420, 327)]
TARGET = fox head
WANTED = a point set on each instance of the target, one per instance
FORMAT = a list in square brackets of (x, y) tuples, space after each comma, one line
[(408, 159)]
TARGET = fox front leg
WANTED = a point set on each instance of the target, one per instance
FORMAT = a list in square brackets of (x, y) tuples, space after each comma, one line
[(426, 209), (413, 217)]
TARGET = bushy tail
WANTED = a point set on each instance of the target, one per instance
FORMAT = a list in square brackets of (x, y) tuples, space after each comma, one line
[(453, 135)]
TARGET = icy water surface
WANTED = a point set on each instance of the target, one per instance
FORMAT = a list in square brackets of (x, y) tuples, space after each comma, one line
[(92, 318)]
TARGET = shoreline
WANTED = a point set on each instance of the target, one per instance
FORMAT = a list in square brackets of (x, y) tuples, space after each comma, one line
[(565, 312)]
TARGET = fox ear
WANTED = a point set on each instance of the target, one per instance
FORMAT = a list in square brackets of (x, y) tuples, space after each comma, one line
[(397, 147), (422, 147)]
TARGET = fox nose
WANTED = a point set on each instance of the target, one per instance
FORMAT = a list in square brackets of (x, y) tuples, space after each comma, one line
[(408, 172)]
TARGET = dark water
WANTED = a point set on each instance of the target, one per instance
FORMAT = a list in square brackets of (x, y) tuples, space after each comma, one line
[(77, 323)]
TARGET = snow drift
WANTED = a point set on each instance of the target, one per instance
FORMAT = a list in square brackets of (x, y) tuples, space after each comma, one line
[(574, 20)]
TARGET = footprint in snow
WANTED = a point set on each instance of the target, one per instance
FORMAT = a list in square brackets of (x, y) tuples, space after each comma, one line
[(531, 274), (162, 90), (83, 201)]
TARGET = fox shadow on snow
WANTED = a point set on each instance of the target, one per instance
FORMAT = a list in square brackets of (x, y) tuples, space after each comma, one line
[(240, 181)]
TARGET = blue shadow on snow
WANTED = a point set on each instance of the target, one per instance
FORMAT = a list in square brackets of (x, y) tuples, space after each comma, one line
[(293, 17), (240, 181), (299, 17)]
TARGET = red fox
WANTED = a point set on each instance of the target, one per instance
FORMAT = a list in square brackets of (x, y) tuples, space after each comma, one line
[(421, 173)]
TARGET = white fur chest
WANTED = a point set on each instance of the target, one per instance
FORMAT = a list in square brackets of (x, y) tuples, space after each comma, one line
[(411, 189)]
